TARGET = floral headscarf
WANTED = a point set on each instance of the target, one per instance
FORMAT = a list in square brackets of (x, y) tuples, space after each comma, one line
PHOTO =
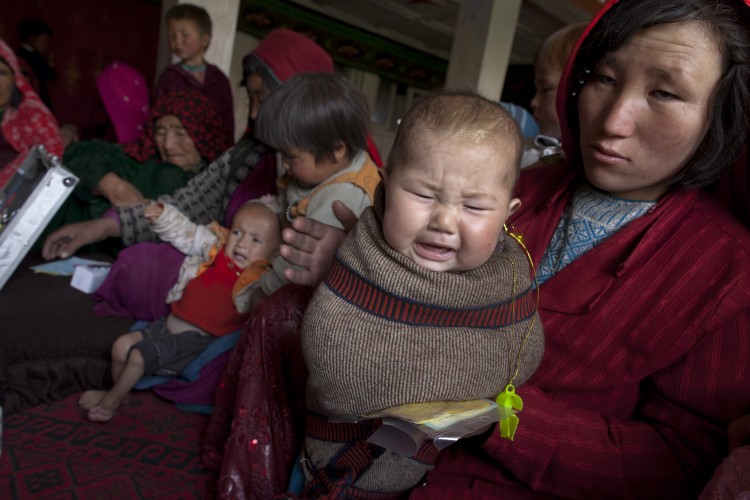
[(196, 114), (28, 124)]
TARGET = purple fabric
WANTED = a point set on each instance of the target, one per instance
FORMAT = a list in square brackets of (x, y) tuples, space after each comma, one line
[(200, 391), (139, 281)]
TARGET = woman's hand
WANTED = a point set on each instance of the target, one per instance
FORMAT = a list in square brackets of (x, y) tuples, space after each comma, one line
[(119, 192), (311, 245), (64, 242)]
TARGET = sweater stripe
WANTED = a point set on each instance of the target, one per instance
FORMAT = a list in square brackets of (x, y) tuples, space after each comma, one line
[(362, 293)]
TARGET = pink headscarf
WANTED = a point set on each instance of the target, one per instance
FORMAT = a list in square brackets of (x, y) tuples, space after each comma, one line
[(124, 93), (28, 125)]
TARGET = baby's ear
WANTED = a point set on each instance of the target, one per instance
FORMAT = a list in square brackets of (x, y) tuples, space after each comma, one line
[(514, 205)]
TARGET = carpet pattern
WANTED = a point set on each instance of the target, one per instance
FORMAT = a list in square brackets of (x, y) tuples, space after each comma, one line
[(149, 450)]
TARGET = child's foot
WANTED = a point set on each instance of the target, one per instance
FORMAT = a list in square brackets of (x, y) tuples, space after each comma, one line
[(89, 399), (99, 414)]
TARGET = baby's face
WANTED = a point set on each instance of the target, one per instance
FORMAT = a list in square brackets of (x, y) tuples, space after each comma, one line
[(255, 235), (446, 205)]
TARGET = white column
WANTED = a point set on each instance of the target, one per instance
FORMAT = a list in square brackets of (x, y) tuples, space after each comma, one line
[(482, 45)]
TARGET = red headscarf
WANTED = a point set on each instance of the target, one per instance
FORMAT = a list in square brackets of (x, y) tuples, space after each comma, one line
[(734, 189), (28, 125), (286, 53), (202, 123)]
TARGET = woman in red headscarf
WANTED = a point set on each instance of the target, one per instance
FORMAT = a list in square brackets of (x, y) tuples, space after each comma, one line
[(25, 120), (143, 273), (183, 135), (644, 281)]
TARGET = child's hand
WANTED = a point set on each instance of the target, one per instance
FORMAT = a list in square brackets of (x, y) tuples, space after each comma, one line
[(153, 211)]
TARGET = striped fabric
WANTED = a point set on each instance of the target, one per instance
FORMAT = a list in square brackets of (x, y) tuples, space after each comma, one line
[(358, 291)]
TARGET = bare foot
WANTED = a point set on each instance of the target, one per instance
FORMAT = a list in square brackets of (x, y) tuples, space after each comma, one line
[(99, 414), (89, 399)]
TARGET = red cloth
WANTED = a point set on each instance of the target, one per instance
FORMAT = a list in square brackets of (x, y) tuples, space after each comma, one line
[(647, 357), (286, 53), (207, 299), (256, 430), (201, 122), (28, 125), (215, 88)]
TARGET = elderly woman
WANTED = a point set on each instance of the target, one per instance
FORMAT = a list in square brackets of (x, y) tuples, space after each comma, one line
[(246, 171), (183, 136), (25, 121), (644, 282)]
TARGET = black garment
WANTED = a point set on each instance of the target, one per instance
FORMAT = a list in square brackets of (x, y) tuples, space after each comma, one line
[(43, 72)]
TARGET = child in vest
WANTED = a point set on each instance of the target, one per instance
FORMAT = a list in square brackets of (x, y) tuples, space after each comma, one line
[(189, 28), (206, 302), (319, 125), (428, 298)]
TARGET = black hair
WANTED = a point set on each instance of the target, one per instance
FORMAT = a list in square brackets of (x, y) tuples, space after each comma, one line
[(314, 112), (191, 12), (32, 28), (730, 103)]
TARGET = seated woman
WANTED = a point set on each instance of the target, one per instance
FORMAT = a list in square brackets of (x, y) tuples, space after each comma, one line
[(245, 172), (644, 284), (24, 120), (184, 134)]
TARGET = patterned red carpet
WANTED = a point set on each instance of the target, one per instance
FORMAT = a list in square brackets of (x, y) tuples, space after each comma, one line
[(149, 450)]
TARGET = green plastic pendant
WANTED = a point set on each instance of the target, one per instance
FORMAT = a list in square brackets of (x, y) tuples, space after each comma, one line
[(508, 403)]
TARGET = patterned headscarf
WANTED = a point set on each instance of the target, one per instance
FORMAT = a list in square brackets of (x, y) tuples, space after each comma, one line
[(28, 124), (202, 123)]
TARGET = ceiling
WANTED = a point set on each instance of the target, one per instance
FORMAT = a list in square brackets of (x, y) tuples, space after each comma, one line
[(429, 25)]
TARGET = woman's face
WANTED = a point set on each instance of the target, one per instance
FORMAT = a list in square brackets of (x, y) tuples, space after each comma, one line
[(7, 82), (175, 144), (644, 111), (257, 92)]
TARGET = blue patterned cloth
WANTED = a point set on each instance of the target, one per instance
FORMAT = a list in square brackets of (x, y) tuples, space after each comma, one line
[(591, 217)]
